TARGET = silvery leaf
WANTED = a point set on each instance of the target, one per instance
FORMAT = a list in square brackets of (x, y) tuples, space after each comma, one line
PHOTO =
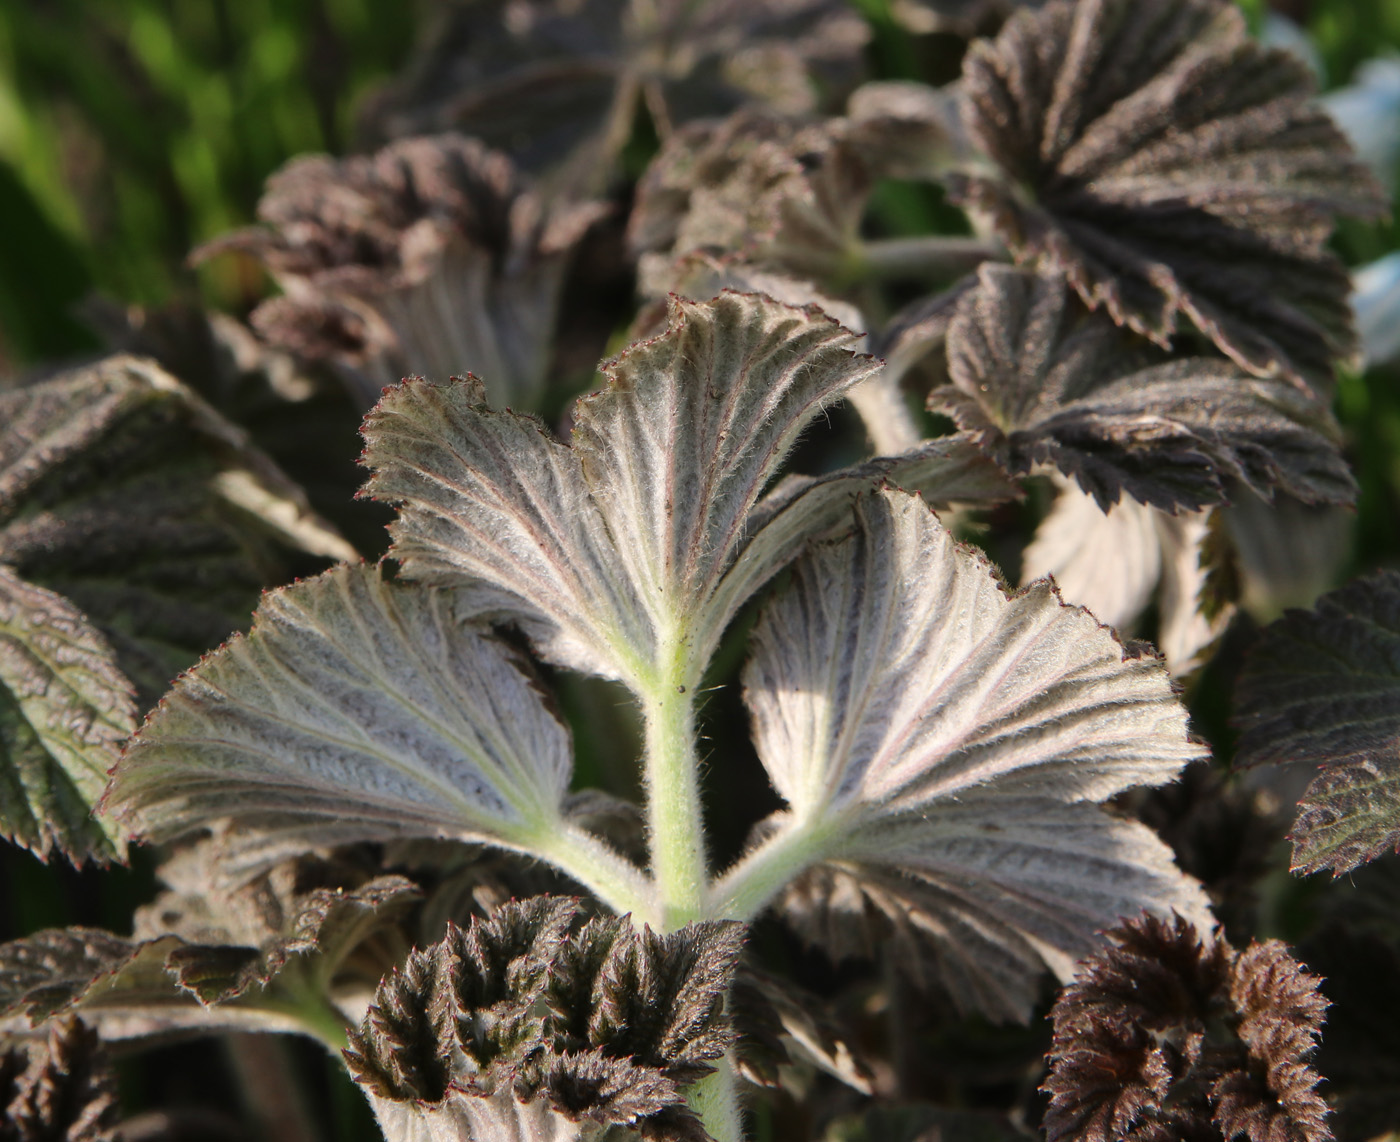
[(355, 709), (906, 709), (1116, 562), (640, 533)]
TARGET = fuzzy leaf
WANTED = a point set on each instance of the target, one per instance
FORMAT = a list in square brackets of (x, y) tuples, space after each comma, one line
[(560, 82), (126, 493), (1323, 688), (917, 719), (355, 709), (642, 529), (429, 258), (65, 708), (518, 1020), (1038, 384), (1172, 168), (120, 986)]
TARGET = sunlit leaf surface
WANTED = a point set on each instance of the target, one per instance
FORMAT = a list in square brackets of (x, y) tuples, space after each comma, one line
[(356, 709), (945, 741)]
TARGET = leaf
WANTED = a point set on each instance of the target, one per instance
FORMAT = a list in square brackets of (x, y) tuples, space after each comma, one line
[(121, 987), (60, 1088), (1164, 1033), (355, 709), (1038, 383), (242, 937), (428, 258), (1172, 168), (1116, 562), (520, 1020), (1322, 687), (65, 708), (640, 533), (934, 735), (266, 951), (127, 494), (561, 84), (780, 1022)]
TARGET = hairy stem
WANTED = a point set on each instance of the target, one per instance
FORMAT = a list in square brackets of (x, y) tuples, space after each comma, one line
[(746, 889), (675, 823), (608, 875), (715, 1100)]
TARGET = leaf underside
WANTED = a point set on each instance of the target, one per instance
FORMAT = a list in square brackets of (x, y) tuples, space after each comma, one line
[(599, 550), (355, 709), (1323, 688), (946, 739)]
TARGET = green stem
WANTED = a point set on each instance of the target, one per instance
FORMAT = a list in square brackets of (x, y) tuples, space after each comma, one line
[(608, 875), (745, 890), (675, 822), (926, 255), (715, 1100)]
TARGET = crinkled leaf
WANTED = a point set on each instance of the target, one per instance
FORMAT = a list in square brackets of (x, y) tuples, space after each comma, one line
[(1039, 383), (559, 83), (120, 986), (517, 1019), (123, 491), (65, 708), (917, 719), (1171, 167), (355, 709), (639, 532), (429, 258), (60, 1087), (1323, 688), (218, 963)]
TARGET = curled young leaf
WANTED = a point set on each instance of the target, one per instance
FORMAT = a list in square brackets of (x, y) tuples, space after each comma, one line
[(65, 709), (123, 491), (1164, 1035), (1322, 688), (1172, 168), (525, 1017), (1039, 381), (933, 735), (60, 1087), (642, 532), (237, 938), (430, 257), (356, 709)]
